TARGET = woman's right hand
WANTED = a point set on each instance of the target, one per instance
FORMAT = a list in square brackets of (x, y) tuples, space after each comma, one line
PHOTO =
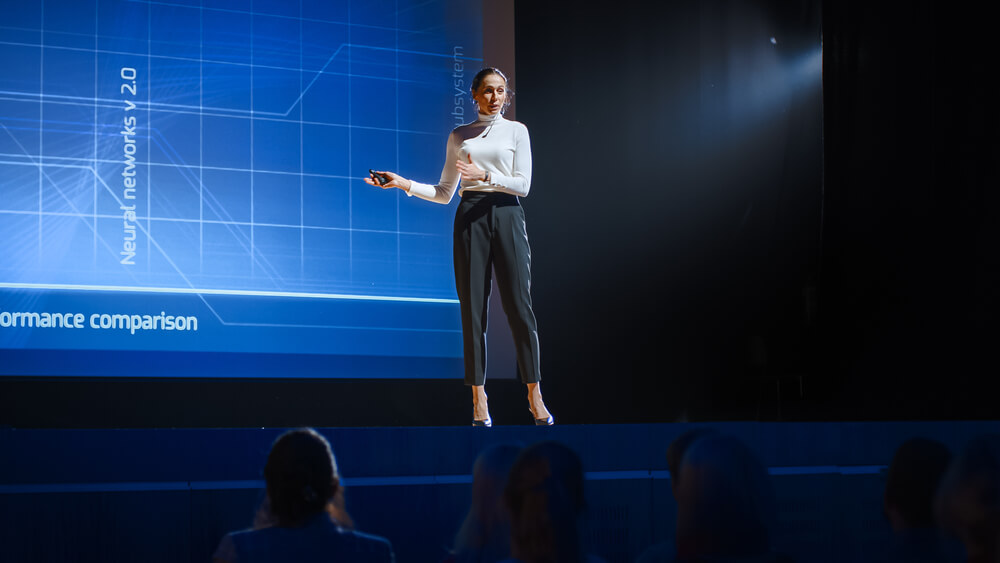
[(395, 181)]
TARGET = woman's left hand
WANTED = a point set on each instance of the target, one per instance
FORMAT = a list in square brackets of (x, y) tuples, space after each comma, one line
[(470, 171)]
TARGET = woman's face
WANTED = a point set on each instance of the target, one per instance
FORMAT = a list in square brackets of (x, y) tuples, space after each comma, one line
[(491, 95)]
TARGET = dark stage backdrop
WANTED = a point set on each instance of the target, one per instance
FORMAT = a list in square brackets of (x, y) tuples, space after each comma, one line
[(910, 268), (710, 244), (677, 206)]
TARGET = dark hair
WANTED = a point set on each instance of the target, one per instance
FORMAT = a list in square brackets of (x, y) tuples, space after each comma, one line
[(677, 449), (544, 495), (301, 476), (485, 533), (913, 478), (725, 501), (477, 81), (968, 499)]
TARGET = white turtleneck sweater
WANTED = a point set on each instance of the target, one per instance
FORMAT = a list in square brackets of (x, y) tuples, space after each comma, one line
[(496, 145)]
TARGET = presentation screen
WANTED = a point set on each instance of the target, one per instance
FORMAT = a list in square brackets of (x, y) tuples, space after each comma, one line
[(181, 186)]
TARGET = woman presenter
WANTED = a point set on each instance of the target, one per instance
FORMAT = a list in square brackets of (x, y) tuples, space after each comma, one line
[(489, 162)]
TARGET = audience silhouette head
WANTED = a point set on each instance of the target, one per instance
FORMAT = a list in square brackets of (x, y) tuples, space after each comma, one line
[(725, 502), (968, 500), (545, 497), (302, 518), (301, 476), (485, 533), (677, 449), (911, 482)]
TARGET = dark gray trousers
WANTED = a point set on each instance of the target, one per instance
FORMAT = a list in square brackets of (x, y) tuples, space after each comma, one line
[(490, 235)]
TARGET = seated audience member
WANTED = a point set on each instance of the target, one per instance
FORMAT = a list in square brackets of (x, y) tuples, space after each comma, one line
[(666, 551), (484, 536), (545, 498), (297, 523), (908, 501), (725, 504), (968, 500)]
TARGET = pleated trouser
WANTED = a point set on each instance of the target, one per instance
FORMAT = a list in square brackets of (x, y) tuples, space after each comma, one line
[(490, 235)]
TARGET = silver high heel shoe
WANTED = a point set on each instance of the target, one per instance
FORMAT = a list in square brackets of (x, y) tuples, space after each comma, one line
[(488, 423), (547, 421)]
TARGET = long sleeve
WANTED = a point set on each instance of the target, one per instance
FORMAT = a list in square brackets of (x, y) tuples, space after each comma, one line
[(502, 148), (445, 188), (518, 180)]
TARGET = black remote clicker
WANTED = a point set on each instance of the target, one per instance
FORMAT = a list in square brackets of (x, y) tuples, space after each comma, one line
[(381, 179)]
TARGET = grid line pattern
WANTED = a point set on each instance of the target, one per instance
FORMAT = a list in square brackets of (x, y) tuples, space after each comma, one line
[(254, 128)]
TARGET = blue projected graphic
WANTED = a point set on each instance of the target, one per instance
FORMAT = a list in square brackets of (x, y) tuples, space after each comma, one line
[(185, 176)]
